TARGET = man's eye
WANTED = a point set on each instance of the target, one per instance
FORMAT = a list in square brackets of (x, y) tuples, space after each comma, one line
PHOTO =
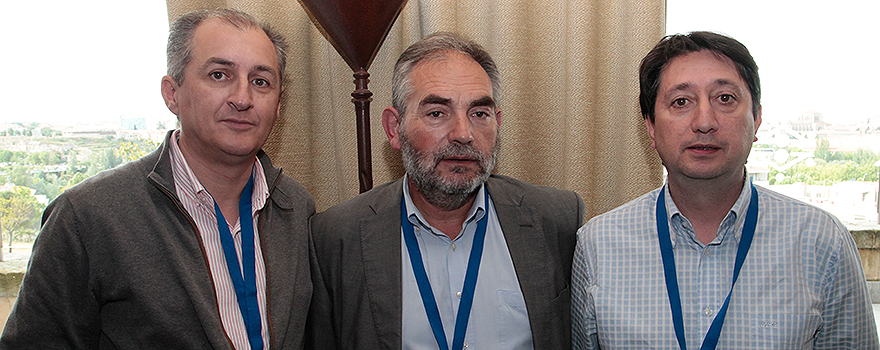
[(217, 75), (435, 114), (481, 114), (726, 98), (679, 102), (261, 82)]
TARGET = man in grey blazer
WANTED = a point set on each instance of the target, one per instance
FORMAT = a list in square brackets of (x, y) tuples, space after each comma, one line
[(449, 256)]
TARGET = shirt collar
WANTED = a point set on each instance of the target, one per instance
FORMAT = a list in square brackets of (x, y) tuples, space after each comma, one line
[(189, 185), (736, 216), (478, 210)]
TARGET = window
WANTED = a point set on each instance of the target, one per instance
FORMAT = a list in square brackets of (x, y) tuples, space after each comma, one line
[(93, 63), (82, 94), (821, 128)]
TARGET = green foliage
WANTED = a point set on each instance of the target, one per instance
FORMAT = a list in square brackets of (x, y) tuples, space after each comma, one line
[(19, 213), (823, 149), (129, 151), (49, 132), (832, 167), (51, 172)]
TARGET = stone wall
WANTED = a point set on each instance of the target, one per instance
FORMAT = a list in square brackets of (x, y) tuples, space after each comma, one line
[(868, 242), (9, 282)]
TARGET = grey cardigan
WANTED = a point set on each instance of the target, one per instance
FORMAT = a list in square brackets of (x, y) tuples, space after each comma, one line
[(118, 264)]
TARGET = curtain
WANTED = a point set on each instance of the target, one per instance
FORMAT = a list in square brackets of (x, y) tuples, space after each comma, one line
[(569, 75)]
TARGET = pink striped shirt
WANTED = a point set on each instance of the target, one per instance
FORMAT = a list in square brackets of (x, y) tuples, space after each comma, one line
[(200, 205)]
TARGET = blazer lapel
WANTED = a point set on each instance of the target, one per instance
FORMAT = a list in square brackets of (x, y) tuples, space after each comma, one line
[(380, 241), (529, 251)]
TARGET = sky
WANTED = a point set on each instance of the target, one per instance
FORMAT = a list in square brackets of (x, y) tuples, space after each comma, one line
[(811, 55), (102, 60), (85, 60)]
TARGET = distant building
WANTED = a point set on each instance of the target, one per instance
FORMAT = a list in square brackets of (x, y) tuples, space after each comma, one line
[(133, 123), (810, 121), (850, 201)]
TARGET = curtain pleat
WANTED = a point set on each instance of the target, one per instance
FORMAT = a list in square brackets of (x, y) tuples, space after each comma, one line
[(569, 72)]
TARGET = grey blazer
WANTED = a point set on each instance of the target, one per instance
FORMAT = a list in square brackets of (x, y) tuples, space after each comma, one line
[(356, 270)]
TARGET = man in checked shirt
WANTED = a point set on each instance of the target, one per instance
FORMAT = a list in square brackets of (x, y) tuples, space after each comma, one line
[(709, 259)]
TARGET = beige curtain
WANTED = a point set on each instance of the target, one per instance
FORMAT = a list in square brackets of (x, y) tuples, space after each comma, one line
[(569, 92)]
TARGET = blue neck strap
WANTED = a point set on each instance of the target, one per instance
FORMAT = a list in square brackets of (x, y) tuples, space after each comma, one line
[(245, 284), (427, 294), (745, 243)]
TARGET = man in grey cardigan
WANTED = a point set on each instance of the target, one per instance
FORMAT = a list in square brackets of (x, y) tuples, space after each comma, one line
[(201, 244), (447, 255)]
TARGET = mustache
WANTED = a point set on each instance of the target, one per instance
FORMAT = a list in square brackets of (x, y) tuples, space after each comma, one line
[(458, 150)]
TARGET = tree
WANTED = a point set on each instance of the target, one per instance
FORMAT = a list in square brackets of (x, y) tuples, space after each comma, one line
[(823, 149), (832, 167), (19, 213), (129, 151), (6, 156)]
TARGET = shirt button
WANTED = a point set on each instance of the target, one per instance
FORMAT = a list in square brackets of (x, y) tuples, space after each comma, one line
[(708, 252), (465, 345), (707, 311), (458, 294), (453, 246)]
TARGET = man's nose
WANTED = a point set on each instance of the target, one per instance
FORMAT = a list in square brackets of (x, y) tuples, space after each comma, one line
[(241, 97), (461, 129), (704, 118)]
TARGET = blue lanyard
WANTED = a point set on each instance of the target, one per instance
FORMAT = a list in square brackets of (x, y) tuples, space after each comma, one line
[(470, 279), (245, 284), (745, 243)]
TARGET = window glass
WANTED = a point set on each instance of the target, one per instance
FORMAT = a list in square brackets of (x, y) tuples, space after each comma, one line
[(820, 136), (82, 94)]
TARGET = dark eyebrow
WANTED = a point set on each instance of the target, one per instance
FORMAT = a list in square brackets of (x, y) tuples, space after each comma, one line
[(725, 82), (719, 82), (220, 61), (485, 101), (263, 68), (680, 87), (435, 100)]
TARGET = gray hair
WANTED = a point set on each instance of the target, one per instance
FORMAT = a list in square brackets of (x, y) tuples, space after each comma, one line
[(182, 30), (432, 47)]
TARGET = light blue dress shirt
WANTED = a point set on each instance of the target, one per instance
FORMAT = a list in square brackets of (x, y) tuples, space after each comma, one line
[(498, 318), (801, 287)]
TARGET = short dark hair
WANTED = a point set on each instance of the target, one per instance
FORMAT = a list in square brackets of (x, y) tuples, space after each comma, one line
[(676, 45), (183, 29), (435, 46)]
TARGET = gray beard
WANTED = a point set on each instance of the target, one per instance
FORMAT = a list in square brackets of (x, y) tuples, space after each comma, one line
[(440, 192)]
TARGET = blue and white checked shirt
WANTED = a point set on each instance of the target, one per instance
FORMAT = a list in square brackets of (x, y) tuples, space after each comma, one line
[(801, 286)]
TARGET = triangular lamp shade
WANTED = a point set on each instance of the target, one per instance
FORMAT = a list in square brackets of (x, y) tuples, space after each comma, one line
[(356, 28)]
